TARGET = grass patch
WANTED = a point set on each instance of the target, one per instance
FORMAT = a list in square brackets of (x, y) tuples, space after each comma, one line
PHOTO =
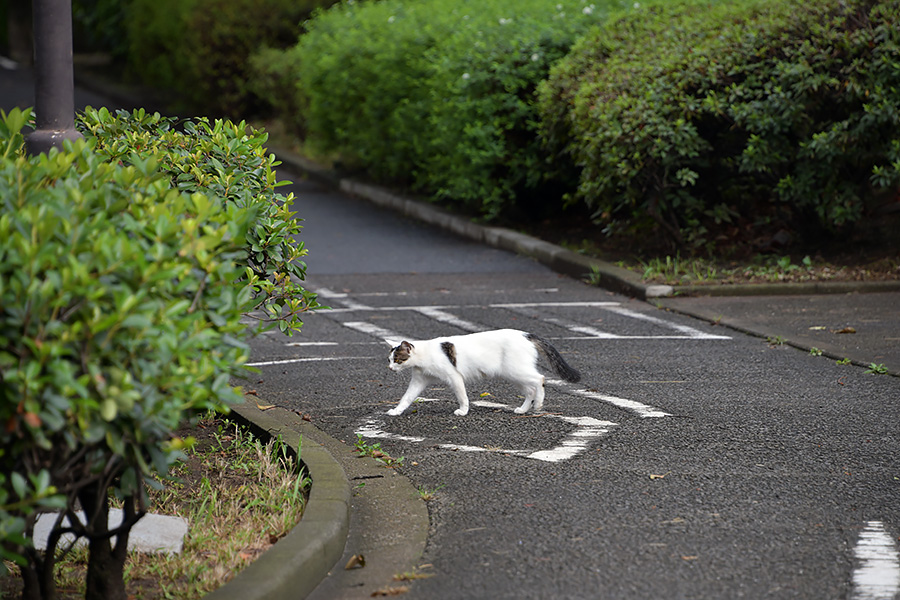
[(239, 495)]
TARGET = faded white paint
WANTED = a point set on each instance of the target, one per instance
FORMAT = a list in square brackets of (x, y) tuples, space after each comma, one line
[(877, 576), (587, 429)]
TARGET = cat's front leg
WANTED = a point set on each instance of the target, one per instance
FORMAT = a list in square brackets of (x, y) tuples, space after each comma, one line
[(418, 383), (459, 389)]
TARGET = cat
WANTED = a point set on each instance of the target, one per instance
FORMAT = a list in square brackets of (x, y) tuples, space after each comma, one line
[(506, 353)]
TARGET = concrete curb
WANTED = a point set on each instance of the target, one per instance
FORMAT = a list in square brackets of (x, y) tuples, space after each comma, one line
[(292, 568), (579, 266)]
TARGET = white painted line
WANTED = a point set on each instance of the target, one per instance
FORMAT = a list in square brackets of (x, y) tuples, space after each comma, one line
[(342, 298), (289, 361), (372, 429), (448, 319), (312, 344), (878, 575), (586, 330), (644, 411), (370, 329), (690, 331), (587, 429), (551, 304), (612, 336)]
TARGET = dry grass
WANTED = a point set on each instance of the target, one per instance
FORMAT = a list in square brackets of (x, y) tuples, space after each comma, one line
[(240, 496)]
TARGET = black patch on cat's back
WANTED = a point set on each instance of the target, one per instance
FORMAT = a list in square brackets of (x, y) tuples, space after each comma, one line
[(450, 350)]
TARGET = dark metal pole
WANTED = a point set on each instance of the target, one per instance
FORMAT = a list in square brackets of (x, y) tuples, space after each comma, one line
[(54, 78)]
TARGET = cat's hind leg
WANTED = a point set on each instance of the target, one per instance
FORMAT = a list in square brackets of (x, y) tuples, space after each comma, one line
[(418, 383), (534, 396)]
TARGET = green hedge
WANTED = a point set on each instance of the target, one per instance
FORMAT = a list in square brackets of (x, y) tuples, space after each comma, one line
[(732, 120), (200, 48), (127, 265), (433, 94)]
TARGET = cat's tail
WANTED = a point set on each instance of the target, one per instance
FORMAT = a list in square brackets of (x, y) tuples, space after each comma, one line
[(559, 364)]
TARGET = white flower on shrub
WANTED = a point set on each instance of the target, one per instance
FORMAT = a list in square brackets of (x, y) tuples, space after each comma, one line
[(505, 21), (588, 9), (465, 75)]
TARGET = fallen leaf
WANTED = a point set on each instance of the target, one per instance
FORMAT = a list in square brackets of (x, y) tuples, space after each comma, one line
[(252, 393), (691, 557), (357, 561), (663, 476), (846, 330), (391, 590), (264, 406), (817, 328)]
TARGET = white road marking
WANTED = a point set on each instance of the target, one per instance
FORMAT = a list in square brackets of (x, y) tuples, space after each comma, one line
[(685, 329), (288, 361), (374, 330), (644, 411), (342, 298), (551, 304), (878, 575), (312, 344), (445, 317), (587, 429)]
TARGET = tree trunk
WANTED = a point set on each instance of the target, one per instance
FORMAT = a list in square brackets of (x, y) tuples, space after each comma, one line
[(105, 573)]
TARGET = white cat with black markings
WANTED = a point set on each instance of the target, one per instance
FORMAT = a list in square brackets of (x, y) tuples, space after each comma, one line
[(506, 353)]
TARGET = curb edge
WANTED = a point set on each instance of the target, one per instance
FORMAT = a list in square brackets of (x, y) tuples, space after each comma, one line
[(292, 568)]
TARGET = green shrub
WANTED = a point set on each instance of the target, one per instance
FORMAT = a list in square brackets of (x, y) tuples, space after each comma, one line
[(229, 161), (156, 34), (99, 26), (127, 264), (704, 120), (121, 316), (435, 94), (200, 48)]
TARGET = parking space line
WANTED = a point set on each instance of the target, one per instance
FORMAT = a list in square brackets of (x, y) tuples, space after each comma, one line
[(445, 317), (373, 330), (878, 575), (288, 361), (587, 429), (686, 329)]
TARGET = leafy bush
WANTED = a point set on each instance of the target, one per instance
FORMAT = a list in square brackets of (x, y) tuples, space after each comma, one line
[(729, 118), (436, 94), (201, 47), (156, 34), (126, 265), (229, 161)]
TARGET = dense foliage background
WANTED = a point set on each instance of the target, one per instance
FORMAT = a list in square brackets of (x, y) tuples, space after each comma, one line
[(691, 124)]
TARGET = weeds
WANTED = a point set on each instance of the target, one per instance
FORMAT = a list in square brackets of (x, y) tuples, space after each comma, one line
[(876, 369), (239, 496), (375, 451), (428, 495)]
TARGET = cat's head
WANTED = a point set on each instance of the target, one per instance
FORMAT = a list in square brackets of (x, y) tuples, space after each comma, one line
[(397, 360)]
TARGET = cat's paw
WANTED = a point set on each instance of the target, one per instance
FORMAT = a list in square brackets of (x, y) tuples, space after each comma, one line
[(395, 411), (521, 410), (461, 412)]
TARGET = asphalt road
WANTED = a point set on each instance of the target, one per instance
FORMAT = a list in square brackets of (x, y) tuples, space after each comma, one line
[(692, 461)]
